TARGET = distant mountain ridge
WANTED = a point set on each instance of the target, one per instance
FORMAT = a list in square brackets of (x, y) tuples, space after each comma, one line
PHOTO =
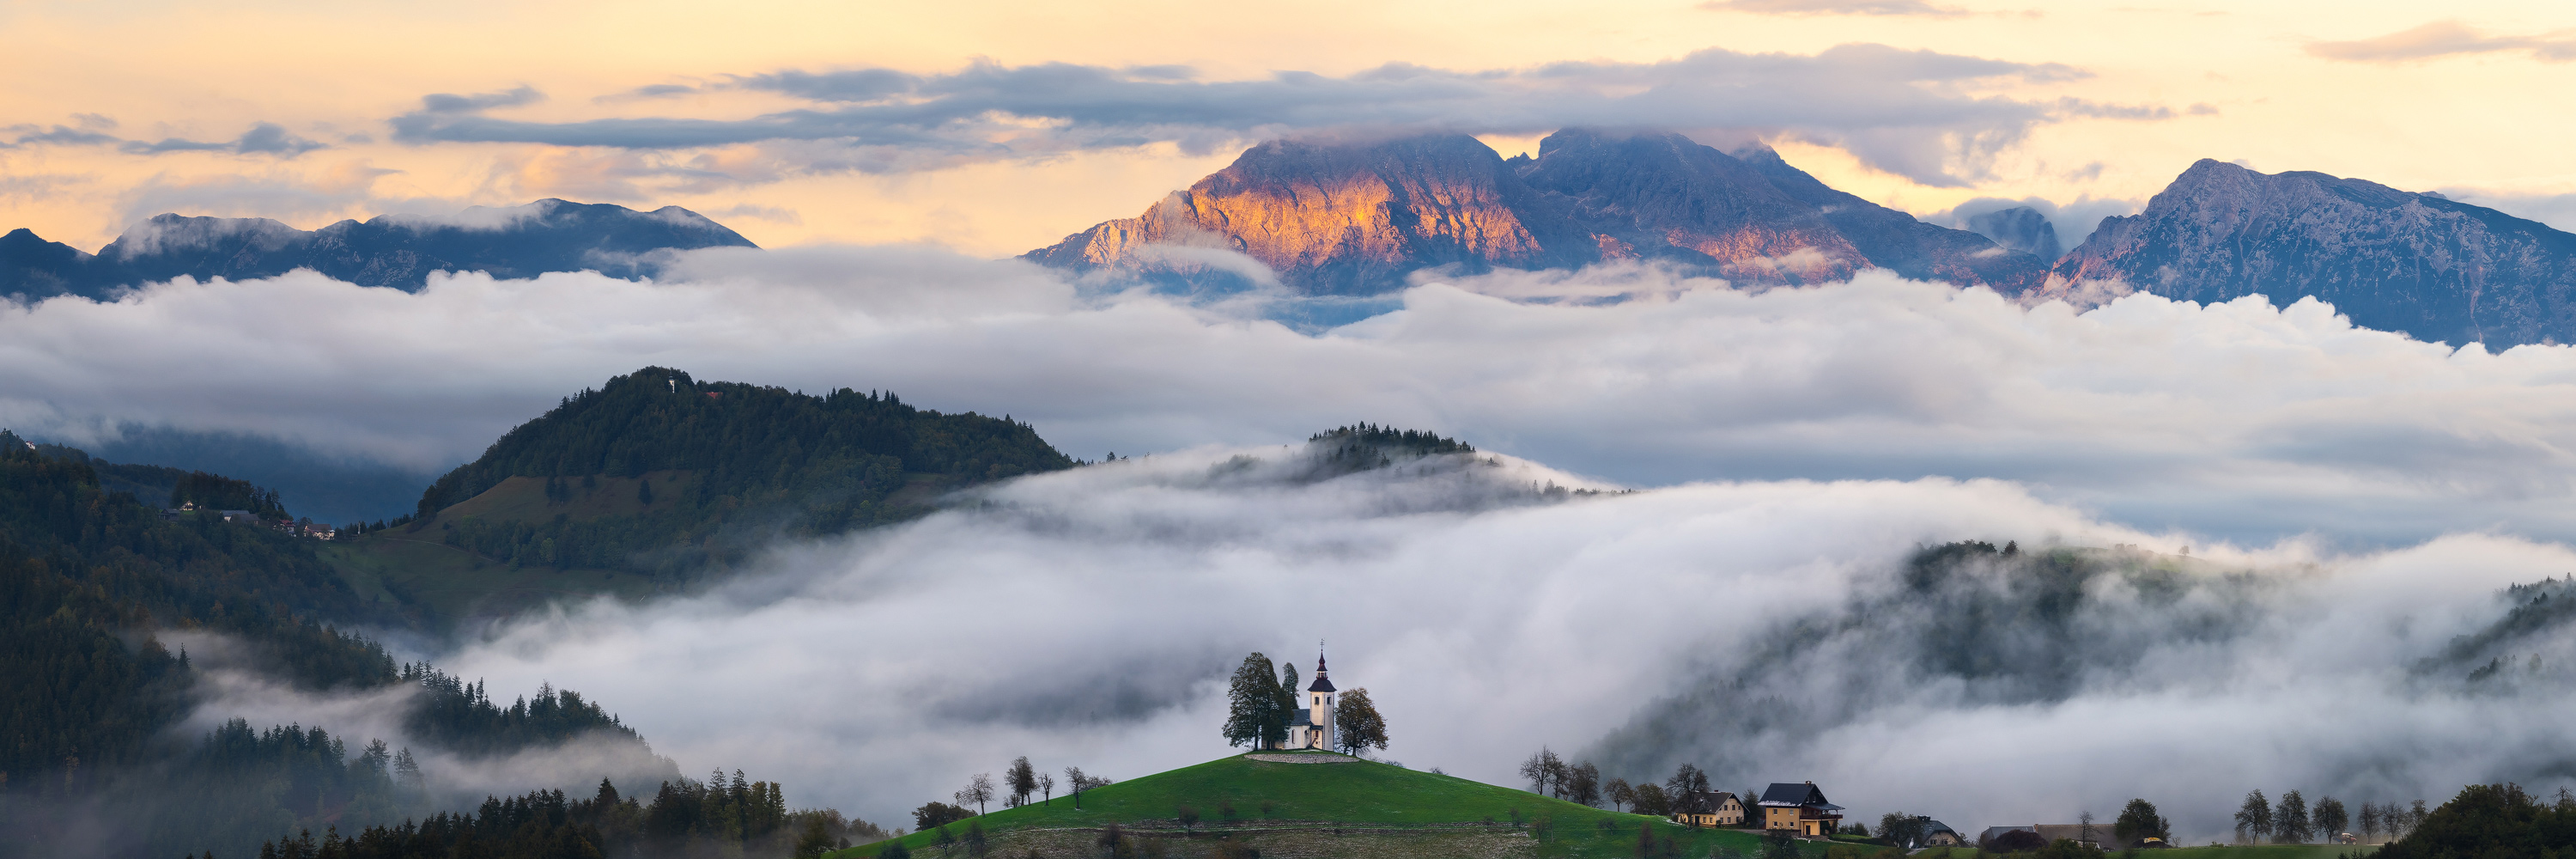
[(2392, 260), (1355, 218), (399, 251)]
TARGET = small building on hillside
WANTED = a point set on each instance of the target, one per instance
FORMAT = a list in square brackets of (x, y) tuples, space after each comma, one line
[(1995, 837), (1312, 726), (1799, 807), (2097, 835), (1939, 834), (1709, 809)]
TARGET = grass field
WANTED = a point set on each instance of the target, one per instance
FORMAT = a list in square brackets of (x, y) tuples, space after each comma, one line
[(1354, 808)]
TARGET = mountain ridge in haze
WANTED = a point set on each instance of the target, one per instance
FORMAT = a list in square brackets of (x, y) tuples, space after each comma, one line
[(399, 251), (1355, 218), (2391, 260)]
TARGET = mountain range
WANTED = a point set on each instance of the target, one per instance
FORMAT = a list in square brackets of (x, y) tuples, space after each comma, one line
[(389, 250), (1361, 216), (1357, 217), (1345, 217)]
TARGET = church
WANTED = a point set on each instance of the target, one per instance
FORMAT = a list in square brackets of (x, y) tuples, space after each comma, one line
[(1312, 726)]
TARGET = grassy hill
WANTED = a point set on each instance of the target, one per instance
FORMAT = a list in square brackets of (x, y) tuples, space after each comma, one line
[(1344, 808)]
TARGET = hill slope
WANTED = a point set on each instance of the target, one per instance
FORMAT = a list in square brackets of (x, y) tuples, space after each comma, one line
[(1347, 807), (664, 475), (1357, 217)]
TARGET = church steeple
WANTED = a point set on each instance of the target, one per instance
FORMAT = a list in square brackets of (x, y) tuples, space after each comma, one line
[(1319, 698)]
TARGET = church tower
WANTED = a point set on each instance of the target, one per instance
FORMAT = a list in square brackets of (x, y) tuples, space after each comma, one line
[(1319, 699)]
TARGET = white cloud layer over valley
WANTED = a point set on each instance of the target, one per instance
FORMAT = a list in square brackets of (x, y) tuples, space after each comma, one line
[(1793, 445)]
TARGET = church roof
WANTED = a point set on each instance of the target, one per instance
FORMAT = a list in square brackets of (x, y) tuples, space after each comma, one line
[(1302, 719), (1321, 684)]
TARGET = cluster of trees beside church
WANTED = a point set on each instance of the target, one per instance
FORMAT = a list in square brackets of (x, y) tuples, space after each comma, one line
[(762, 461), (1259, 710), (685, 818)]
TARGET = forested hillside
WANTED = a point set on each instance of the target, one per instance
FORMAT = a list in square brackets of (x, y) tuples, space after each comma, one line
[(90, 580), (657, 472)]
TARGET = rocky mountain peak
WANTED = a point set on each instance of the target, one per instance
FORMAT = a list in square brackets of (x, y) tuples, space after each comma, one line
[(2389, 259), (1357, 217)]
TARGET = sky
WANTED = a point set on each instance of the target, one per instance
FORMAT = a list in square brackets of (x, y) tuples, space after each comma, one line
[(992, 128)]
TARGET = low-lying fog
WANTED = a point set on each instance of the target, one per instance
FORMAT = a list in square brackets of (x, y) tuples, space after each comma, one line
[(2237, 420), (1089, 618), (2352, 499)]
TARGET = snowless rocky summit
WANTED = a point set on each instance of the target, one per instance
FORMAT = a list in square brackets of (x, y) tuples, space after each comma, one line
[(2391, 260)]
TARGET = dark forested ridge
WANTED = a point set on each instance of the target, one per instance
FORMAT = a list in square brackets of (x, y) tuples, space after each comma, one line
[(684, 818), (2492, 820), (91, 583), (655, 472), (659, 471)]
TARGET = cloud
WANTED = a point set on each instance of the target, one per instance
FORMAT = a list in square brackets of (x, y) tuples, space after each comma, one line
[(1832, 7), (1089, 618), (1925, 114), (266, 138), (2140, 410), (2444, 39)]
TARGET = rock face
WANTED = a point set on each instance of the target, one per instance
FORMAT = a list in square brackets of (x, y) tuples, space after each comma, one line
[(1354, 218), (2020, 228), (2389, 259), (392, 250)]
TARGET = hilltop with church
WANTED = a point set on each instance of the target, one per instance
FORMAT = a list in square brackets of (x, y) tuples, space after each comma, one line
[(1267, 710)]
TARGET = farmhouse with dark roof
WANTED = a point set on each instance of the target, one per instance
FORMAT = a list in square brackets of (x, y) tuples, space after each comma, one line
[(1801, 808)]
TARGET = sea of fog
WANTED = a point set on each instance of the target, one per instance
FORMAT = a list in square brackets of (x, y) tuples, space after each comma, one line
[(2351, 500)]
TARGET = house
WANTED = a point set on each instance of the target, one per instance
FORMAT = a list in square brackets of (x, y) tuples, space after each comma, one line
[(2097, 835), (1939, 834), (1987, 838), (1312, 727), (1708, 808), (1799, 807)]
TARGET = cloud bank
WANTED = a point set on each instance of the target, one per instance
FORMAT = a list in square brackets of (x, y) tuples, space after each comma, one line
[(1089, 618), (1930, 116), (2238, 420)]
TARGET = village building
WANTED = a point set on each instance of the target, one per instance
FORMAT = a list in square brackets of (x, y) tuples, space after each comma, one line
[(2097, 835), (1709, 809), (1312, 726), (1939, 834), (1799, 807)]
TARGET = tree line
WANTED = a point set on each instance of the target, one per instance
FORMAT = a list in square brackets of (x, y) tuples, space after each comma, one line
[(2292, 820), (1259, 710), (685, 819)]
